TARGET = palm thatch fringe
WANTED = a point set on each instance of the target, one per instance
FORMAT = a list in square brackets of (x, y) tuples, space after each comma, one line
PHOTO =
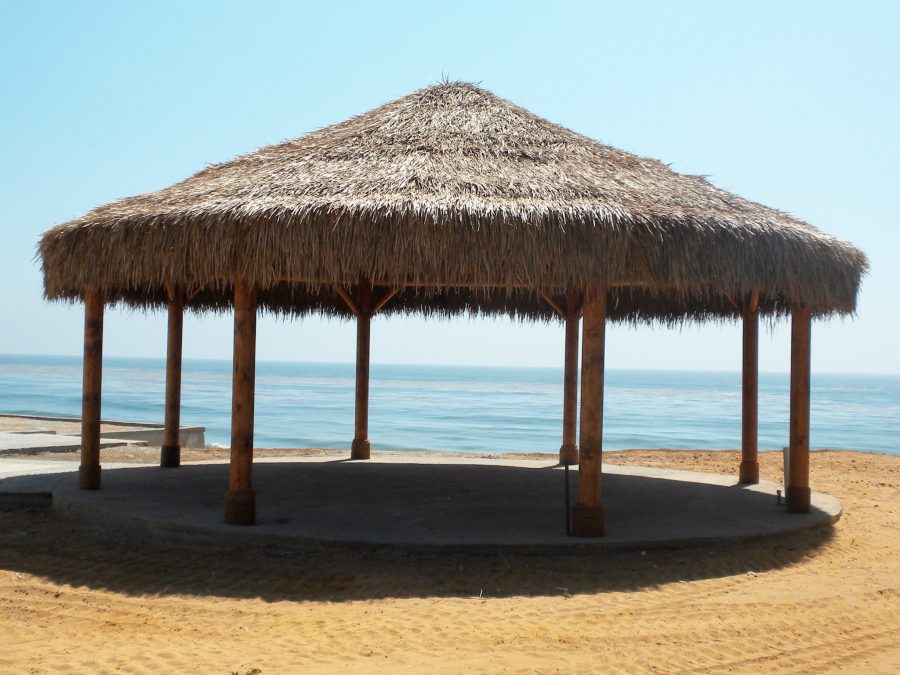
[(470, 204)]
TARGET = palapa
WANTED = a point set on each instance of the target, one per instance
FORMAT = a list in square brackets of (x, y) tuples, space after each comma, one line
[(451, 200), (463, 201)]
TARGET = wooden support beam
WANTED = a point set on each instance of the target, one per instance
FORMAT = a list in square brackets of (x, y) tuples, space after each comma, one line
[(361, 448), (170, 453), (587, 514), (240, 500), (568, 451), (364, 307), (797, 489), (385, 299), (89, 471), (562, 314), (749, 469), (348, 300)]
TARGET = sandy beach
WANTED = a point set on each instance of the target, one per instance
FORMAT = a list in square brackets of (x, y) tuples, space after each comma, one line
[(825, 600)]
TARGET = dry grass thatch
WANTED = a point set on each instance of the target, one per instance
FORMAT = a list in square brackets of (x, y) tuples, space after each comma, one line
[(451, 186)]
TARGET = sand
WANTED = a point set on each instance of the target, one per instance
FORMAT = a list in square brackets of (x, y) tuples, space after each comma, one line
[(826, 600)]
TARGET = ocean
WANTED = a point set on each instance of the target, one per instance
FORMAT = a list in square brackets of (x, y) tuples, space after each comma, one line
[(464, 409)]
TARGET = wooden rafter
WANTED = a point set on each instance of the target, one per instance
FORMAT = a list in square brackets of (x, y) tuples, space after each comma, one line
[(348, 300), (385, 299), (556, 308)]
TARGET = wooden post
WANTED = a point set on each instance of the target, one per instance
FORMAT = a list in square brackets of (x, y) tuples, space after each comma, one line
[(89, 471), (568, 452), (170, 455), (797, 483), (240, 500), (587, 514), (749, 469), (361, 448)]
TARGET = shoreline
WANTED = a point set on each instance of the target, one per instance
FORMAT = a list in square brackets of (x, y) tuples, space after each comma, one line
[(149, 454)]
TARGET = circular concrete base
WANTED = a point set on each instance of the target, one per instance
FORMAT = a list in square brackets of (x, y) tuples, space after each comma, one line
[(436, 503)]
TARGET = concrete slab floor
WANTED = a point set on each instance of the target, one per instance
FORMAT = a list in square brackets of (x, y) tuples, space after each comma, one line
[(428, 503)]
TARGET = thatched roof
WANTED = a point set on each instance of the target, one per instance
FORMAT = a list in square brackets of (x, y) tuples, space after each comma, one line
[(446, 188)]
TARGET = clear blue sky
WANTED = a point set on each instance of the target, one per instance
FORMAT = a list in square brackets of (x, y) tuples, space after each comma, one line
[(795, 105)]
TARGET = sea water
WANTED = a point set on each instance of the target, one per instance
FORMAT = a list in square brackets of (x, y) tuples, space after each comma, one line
[(463, 409)]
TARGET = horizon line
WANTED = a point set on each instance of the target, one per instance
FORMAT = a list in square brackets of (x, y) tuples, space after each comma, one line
[(455, 365)]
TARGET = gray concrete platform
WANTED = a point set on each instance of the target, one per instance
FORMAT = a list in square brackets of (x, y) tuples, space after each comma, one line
[(427, 503), (121, 432), (33, 442)]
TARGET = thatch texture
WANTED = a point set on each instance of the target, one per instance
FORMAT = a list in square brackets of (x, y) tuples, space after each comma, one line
[(447, 187)]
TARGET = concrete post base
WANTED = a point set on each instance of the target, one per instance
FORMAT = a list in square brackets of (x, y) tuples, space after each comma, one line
[(749, 473), (89, 477), (170, 456), (240, 507), (360, 449), (587, 521)]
